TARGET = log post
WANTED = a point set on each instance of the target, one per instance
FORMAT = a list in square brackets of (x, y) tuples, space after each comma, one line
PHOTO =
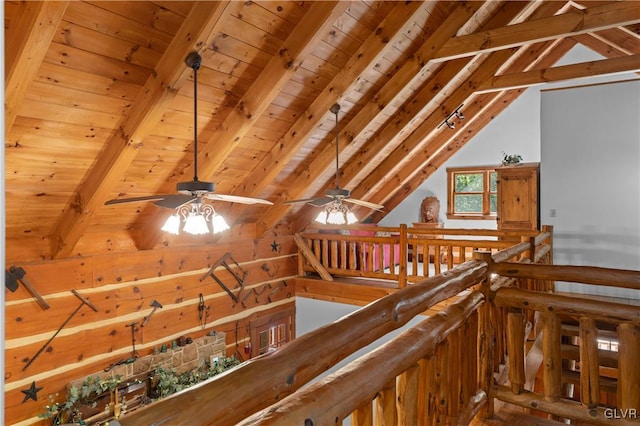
[(385, 405), (408, 397), (589, 363), (402, 262), (425, 405), (552, 356), (486, 339), (628, 367), (515, 348), (363, 415)]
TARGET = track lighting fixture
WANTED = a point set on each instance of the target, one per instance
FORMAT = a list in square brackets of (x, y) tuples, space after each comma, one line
[(449, 122)]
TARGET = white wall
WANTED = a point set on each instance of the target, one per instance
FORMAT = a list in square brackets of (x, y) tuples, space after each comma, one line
[(515, 131), (590, 177)]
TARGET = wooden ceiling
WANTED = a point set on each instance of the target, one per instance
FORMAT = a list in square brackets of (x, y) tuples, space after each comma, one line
[(99, 103)]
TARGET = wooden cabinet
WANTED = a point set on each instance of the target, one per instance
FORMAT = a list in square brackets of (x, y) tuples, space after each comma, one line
[(518, 195)]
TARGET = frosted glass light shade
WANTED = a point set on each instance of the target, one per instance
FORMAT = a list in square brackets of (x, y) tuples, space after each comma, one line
[(195, 224), (172, 225), (218, 223)]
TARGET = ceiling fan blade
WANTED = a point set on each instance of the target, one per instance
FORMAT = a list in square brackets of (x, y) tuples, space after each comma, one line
[(174, 201), (365, 203), (238, 199), (302, 200), (134, 199), (319, 202)]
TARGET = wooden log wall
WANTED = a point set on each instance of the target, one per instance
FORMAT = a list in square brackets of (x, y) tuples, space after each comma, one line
[(122, 287)]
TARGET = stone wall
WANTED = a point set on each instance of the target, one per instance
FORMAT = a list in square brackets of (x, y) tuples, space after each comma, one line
[(179, 358)]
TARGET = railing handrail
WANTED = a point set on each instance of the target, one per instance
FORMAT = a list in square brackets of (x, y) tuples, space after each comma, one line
[(228, 398), (317, 403)]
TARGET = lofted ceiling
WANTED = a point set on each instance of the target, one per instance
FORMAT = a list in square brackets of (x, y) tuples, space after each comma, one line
[(99, 103)]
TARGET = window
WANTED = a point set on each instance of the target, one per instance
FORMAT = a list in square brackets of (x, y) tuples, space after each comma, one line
[(472, 193), (272, 331)]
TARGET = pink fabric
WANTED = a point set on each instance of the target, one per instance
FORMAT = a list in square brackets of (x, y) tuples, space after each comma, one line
[(386, 252)]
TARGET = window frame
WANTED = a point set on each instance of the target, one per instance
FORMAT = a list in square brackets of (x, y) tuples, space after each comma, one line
[(486, 193)]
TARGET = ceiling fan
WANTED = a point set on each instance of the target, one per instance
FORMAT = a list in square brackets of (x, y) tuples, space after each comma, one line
[(335, 212), (196, 190)]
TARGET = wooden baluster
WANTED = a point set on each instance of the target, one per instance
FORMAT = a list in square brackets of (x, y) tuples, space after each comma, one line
[(408, 397), (437, 258), (317, 251), (352, 255), (552, 356), (325, 253), (453, 385), (363, 415), (402, 272), (628, 367), (589, 363), (442, 382), (334, 254), (515, 347), (385, 405), (343, 254), (450, 259), (424, 378)]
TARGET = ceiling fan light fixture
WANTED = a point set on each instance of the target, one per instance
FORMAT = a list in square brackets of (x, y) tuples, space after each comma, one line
[(336, 213)]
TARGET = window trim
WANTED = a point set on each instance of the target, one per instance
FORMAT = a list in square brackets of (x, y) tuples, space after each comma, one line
[(486, 200)]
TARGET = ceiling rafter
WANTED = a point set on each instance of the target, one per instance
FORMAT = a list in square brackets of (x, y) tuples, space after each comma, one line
[(603, 67), (198, 30), (316, 22), (370, 52), (26, 46), (439, 83), (391, 173), (542, 29), (378, 183), (480, 112), (416, 64)]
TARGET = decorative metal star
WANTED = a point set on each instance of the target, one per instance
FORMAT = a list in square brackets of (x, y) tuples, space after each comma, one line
[(275, 246), (31, 393)]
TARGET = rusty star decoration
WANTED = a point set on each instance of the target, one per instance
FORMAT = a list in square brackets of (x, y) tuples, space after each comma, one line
[(275, 246), (31, 393)]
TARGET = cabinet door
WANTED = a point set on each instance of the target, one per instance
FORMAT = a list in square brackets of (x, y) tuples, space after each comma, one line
[(518, 197)]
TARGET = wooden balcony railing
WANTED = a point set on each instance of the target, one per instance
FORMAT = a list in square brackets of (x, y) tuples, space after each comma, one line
[(401, 254), (445, 370)]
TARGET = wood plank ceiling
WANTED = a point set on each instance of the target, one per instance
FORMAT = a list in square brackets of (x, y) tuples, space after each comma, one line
[(99, 103)]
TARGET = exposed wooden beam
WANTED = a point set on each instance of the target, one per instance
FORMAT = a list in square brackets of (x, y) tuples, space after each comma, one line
[(408, 72), (480, 112), (198, 30), (433, 91), (562, 73), (567, 24), (27, 40), (396, 23), (315, 24), (598, 45)]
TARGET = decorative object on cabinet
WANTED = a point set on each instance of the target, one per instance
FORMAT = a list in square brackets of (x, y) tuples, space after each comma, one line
[(510, 159)]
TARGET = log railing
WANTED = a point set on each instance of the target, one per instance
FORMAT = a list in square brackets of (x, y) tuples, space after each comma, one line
[(592, 318), (402, 254), (258, 383), (445, 370)]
